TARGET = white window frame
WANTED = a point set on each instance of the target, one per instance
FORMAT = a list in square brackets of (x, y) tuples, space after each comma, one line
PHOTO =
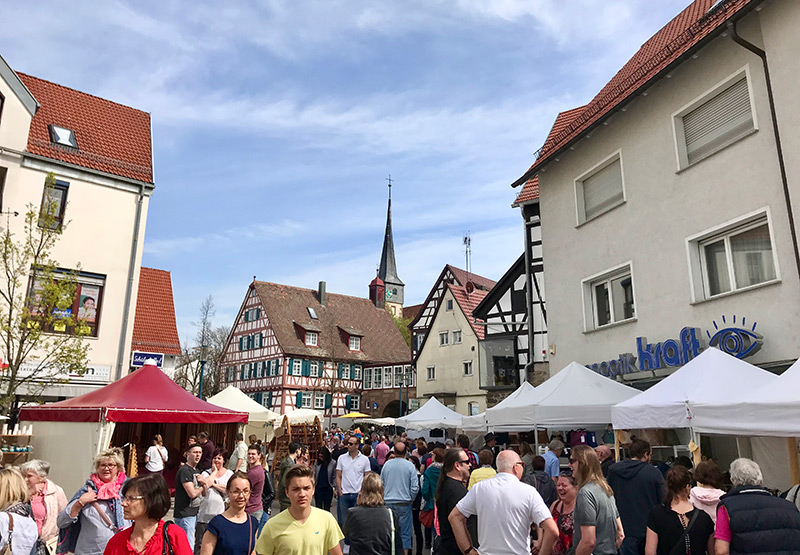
[(297, 367), (681, 155), (410, 371), (313, 369), (312, 338), (466, 367), (448, 304), (367, 378), (345, 371), (430, 373), (307, 400), (444, 338), (456, 337), (398, 376), (319, 401), (355, 343), (357, 372), (580, 210), (355, 403), (388, 376), (587, 291), (698, 274)]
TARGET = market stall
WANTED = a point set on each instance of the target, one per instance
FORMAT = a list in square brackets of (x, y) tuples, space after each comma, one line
[(261, 420), (477, 423), (129, 411), (431, 415)]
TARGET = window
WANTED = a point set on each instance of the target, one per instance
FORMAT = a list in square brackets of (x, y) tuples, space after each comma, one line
[(319, 401), (78, 309), (367, 378), (443, 338), (357, 372), (411, 376), (345, 371), (473, 409), (312, 312), (312, 338), (449, 305), (609, 297), (467, 366), (314, 369), (63, 136), (398, 376), (387, 377), (297, 367), (378, 377), (431, 373), (717, 119), (3, 171), (54, 203), (355, 343), (456, 337), (252, 314), (600, 189), (306, 400), (355, 402), (736, 256)]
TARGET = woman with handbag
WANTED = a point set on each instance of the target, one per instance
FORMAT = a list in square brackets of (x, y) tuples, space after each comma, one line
[(215, 497), (47, 500), (234, 531), (372, 526), (145, 501), (155, 458), (677, 527), (18, 532)]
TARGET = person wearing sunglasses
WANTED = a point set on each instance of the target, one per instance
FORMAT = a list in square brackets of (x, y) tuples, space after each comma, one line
[(350, 471), (450, 490)]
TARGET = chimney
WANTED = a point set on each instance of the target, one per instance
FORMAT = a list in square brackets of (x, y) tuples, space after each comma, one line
[(321, 293)]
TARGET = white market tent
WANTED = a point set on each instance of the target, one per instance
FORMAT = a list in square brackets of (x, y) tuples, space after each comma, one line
[(575, 396), (711, 377), (429, 416), (477, 423), (261, 418)]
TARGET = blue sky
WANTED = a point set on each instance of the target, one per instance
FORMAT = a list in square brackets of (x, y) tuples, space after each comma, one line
[(276, 124)]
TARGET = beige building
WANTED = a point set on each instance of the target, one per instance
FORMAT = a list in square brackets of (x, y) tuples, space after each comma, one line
[(101, 155), (449, 356), (667, 219)]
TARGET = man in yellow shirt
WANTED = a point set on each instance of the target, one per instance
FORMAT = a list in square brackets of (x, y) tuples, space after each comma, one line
[(302, 529), (485, 458)]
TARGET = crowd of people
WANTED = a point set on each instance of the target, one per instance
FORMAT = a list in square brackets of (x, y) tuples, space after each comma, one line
[(398, 495)]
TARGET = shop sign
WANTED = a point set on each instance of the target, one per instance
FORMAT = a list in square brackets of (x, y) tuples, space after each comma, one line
[(736, 341), (93, 373), (138, 359)]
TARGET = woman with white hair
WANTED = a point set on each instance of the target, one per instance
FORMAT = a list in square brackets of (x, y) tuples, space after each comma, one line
[(47, 500), (751, 520)]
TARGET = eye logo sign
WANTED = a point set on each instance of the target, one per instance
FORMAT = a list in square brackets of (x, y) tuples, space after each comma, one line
[(736, 341)]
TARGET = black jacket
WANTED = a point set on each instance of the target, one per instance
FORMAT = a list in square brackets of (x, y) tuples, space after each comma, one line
[(370, 532), (638, 487), (761, 523), (544, 484)]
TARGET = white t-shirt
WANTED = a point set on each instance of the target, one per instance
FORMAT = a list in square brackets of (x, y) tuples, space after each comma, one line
[(24, 536), (353, 470), (506, 509), (213, 502), (156, 463)]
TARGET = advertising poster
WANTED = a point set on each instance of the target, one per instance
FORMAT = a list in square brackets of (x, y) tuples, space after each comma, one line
[(87, 309)]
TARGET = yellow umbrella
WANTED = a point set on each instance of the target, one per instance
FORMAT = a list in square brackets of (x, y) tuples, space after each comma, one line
[(354, 415)]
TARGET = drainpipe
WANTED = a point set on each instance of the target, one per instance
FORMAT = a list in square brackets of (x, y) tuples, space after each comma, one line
[(787, 197), (126, 310)]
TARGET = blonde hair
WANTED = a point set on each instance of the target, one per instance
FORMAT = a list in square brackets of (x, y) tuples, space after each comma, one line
[(371, 494), (157, 439), (115, 454), (589, 468), (13, 488)]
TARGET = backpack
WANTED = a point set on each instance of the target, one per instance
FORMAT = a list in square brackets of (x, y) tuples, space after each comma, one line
[(268, 492)]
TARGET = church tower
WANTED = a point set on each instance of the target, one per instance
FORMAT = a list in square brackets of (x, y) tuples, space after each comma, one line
[(387, 280)]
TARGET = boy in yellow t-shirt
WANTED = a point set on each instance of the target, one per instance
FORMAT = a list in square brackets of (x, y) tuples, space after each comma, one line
[(302, 529)]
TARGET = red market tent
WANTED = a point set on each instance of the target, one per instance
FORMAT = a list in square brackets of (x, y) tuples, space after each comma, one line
[(146, 395)]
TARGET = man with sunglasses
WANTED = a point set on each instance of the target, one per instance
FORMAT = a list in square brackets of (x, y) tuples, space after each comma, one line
[(451, 490), (350, 470)]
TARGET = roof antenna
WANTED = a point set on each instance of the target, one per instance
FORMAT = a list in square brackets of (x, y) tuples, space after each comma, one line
[(468, 253)]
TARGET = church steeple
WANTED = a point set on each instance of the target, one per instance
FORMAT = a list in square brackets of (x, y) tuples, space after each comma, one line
[(387, 270)]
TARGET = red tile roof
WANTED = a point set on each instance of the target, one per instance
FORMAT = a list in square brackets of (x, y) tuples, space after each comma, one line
[(529, 192), (411, 311), (111, 138), (468, 301), (689, 28), (286, 307), (463, 277), (154, 328)]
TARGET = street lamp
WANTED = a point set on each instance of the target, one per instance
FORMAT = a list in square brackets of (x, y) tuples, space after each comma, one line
[(202, 349)]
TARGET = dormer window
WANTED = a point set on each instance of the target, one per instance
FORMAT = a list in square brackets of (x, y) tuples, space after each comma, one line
[(312, 338), (355, 343), (63, 136)]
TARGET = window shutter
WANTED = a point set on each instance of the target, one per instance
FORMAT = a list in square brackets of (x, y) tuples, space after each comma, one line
[(328, 400), (269, 399), (260, 339), (321, 367), (276, 367), (299, 400), (290, 367), (340, 370), (241, 343), (718, 121), (306, 368), (347, 402), (602, 190), (258, 313), (258, 397)]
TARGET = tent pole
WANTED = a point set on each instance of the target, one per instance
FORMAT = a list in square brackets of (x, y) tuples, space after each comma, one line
[(794, 468), (616, 446), (697, 455)]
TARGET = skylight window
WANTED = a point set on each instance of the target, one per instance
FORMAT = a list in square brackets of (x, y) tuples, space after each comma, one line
[(63, 136), (312, 313)]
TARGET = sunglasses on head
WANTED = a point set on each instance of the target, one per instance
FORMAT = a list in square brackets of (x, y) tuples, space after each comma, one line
[(566, 473)]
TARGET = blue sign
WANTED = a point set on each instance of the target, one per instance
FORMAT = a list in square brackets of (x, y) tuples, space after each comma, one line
[(138, 358), (375, 406), (736, 341)]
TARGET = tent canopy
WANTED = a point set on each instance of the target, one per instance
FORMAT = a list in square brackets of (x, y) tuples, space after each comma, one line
[(234, 399), (771, 410), (477, 423), (432, 414), (146, 395), (710, 377), (302, 416), (572, 397)]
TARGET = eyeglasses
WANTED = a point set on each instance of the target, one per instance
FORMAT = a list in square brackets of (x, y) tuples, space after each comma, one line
[(464, 462), (107, 465), (352, 443), (519, 464), (240, 493), (131, 498), (572, 461)]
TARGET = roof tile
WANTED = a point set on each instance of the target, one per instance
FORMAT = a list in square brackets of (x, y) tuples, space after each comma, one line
[(154, 328), (468, 301)]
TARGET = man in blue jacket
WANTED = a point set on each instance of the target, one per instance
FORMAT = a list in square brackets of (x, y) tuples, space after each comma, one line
[(638, 487)]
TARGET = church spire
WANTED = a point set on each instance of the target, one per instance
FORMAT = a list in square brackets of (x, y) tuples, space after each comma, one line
[(387, 270)]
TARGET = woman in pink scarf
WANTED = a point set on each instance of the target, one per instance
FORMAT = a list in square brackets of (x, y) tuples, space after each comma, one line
[(94, 514), (47, 499)]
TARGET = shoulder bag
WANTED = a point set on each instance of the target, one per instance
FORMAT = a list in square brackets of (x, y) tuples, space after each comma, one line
[(680, 546), (7, 549), (104, 517), (166, 546), (391, 526)]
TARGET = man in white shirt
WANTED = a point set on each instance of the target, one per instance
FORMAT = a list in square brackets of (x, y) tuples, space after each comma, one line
[(506, 509), (350, 470), (238, 459)]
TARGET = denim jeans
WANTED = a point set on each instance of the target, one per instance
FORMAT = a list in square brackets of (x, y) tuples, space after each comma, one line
[(345, 502), (188, 525), (262, 522), (403, 511), (630, 545)]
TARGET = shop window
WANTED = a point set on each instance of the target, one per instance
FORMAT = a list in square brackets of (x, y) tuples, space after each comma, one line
[(717, 119), (431, 373), (467, 367), (444, 338), (503, 370), (600, 189), (54, 204), (68, 302), (608, 297)]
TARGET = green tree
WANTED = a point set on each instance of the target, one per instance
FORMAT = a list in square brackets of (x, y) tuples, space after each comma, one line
[(41, 340), (402, 325)]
